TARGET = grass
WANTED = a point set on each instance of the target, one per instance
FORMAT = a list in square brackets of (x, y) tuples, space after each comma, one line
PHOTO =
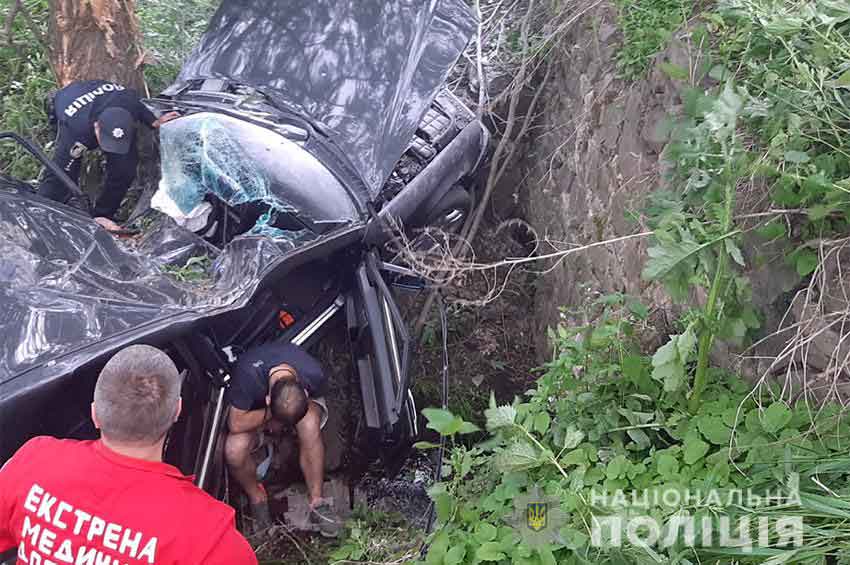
[(196, 270), (171, 30), (26, 80), (647, 26)]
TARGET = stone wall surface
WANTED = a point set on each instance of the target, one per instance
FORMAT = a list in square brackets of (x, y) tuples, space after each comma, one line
[(586, 176)]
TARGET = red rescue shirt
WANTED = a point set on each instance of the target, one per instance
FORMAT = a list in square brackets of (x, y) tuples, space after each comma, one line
[(78, 502)]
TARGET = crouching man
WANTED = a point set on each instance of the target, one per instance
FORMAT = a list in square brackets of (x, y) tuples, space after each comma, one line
[(273, 386), (114, 500)]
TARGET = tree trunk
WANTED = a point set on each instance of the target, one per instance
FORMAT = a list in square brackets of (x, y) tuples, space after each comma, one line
[(96, 39)]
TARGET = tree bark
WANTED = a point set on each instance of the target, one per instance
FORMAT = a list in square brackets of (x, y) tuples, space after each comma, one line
[(96, 39)]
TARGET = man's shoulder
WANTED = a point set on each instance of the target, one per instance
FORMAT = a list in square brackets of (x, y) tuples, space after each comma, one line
[(43, 447), (43, 444)]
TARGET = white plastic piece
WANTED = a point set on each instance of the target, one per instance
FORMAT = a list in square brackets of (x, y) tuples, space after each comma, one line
[(193, 221)]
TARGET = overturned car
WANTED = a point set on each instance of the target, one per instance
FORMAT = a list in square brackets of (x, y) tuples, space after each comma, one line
[(306, 130)]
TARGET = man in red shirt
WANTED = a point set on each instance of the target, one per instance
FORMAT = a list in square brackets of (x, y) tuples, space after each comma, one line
[(114, 501)]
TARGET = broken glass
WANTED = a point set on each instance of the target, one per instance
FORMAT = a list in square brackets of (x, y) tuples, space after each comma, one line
[(209, 155)]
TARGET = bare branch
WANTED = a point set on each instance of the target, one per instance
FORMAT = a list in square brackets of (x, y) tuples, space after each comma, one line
[(10, 20)]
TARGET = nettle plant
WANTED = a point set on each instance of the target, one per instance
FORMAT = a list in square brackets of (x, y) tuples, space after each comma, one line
[(780, 121), (696, 245), (597, 423)]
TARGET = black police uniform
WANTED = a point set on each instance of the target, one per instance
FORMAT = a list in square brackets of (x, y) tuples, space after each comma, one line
[(76, 108)]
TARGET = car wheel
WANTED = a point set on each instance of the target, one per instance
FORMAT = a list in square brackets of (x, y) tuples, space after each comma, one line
[(451, 211)]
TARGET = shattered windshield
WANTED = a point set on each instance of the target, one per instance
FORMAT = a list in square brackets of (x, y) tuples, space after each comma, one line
[(211, 159)]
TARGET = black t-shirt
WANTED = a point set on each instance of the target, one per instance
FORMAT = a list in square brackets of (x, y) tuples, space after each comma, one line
[(249, 384), (80, 103)]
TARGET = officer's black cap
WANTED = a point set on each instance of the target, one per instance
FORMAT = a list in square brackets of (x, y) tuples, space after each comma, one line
[(117, 130)]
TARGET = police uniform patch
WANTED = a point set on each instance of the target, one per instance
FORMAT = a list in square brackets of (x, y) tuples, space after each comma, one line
[(536, 516), (78, 149)]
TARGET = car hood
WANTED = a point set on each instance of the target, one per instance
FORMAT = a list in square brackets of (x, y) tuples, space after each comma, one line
[(365, 69)]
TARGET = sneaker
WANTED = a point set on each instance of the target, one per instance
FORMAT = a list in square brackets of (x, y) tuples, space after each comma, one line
[(261, 514), (324, 515)]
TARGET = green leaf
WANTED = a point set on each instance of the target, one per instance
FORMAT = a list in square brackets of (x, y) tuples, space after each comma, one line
[(617, 467), (805, 261), (639, 310), (675, 71), (490, 551), (640, 438), (546, 556), (468, 428), (776, 417), (423, 445), (573, 538), (632, 367), (772, 230), (686, 343), (667, 362), (671, 374), (735, 252), (719, 73), (724, 114), (574, 457), (444, 504), (572, 437), (541, 422), (695, 448), (499, 416), (665, 258), (438, 549), (667, 353), (714, 430), (485, 532), (797, 157), (455, 555), (667, 465), (442, 421), (518, 456)]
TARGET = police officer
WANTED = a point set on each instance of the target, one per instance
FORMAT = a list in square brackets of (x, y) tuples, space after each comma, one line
[(91, 114)]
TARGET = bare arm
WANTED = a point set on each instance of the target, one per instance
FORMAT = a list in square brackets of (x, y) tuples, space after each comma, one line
[(241, 421), (164, 118)]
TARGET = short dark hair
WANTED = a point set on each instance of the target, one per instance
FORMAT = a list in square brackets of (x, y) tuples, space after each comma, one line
[(288, 402), (136, 395)]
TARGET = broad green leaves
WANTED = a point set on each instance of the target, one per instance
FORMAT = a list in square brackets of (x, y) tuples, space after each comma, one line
[(663, 259), (447, 424), (498, 417), (518, 456), (723, 117), (694, 448), (776, 417), (669, 361)]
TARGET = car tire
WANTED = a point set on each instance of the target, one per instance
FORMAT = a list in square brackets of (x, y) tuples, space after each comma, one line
[(451, 211)]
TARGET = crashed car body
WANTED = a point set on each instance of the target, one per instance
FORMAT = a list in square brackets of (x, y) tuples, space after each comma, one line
[(307, 127)]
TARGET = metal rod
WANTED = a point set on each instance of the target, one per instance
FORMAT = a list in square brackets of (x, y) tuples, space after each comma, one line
[(320, 321), (393, 344), (45, 160), (211, 441)]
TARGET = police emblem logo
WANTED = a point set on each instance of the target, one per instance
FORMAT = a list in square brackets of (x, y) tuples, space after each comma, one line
[(78, 149), (536, 515), (118, 133)]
